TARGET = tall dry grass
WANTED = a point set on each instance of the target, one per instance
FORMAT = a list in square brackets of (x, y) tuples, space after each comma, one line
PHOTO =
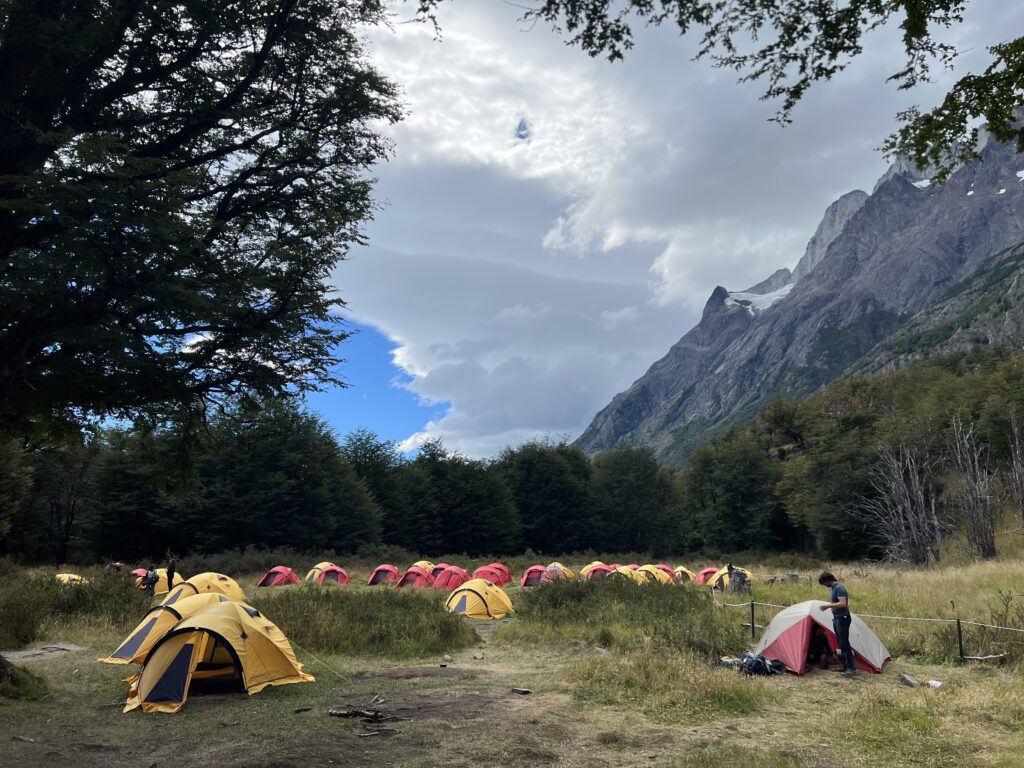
[(616, 613), (668, 686), (33, 604), (365, 622)]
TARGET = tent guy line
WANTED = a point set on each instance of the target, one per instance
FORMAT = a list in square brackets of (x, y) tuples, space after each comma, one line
[(967, 622)]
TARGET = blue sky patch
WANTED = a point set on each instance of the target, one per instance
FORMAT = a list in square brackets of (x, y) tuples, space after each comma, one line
[(375, 398)]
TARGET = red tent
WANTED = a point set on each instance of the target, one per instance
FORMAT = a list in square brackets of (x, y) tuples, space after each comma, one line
[(278, 576), (451, 578), (667, 569), (504, 571), (438, 568), (489, 573), (384, 574), (613, 566), (532, 576), (416, 577), (332, 574), (634, 566), (788, 638), (599, 571), (706, 574)]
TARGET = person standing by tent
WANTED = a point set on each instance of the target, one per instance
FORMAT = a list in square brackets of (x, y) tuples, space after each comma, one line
[(151, 580), (171, 567), (839, 602)]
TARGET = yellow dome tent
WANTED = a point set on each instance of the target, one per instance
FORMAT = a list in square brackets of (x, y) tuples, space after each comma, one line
[(626, 572), (206, 583), (426, 565), (685, 575), (228, 644), (479, 599), (157, 623), (654, 575), (315, 571), (567, 571), (161, 582), (721, 578), (586, 569), (70, 578)]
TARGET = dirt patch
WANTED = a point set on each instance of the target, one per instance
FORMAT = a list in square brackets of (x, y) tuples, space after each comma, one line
[(409, 673), (446, 705), (43, 652)]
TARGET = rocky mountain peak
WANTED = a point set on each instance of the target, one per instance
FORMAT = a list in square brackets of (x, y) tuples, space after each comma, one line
[(875, 262), (836, 217)]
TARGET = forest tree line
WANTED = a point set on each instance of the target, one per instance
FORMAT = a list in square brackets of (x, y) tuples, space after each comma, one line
[(891, 467)]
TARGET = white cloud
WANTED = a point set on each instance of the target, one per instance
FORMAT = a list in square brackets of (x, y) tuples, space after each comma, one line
[(528, 280)]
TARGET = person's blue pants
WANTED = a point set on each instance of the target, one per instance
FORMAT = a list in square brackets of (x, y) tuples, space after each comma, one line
[(841, 624)]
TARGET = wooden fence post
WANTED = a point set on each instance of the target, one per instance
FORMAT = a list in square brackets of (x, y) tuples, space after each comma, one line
[(753, 626), (960, 639)]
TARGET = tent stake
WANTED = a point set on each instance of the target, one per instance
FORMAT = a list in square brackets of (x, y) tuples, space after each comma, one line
[(960, 639)]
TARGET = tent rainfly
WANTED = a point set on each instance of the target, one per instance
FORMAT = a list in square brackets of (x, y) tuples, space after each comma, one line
[(531, 576), (384, 573), (479, 599), (416, 577), (705, 574), (451, 578), (787, 638), (228, 646), (278, 576), (205, 583)]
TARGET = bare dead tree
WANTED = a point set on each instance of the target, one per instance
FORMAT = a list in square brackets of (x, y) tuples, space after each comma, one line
[(903, 508), (974, 494), (1013, 482)]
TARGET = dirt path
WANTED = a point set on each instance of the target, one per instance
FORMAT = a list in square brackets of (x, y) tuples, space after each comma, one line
[(42, 652)]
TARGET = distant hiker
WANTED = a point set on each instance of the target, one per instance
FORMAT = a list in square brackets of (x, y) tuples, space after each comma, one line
[(818, 650), (171, 567), (839, 602), (151, 579)]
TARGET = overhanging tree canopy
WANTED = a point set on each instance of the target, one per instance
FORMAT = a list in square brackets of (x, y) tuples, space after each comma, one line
[(177, 181), (792, 44)]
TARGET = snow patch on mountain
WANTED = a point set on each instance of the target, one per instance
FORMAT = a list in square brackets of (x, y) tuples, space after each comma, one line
[(757, 302)]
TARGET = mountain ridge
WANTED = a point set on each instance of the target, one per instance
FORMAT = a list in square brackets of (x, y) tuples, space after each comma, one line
[(875, 262)]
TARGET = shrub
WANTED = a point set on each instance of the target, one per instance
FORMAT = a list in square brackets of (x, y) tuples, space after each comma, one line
[(617, 613), (28, 602), (20, 683), (388, 622)]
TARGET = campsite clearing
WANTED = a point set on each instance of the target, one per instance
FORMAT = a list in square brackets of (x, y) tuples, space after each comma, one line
[(466, 715), (613, 694)]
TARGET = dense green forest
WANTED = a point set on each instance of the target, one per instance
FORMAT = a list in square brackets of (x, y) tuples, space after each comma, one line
[(820, 476)]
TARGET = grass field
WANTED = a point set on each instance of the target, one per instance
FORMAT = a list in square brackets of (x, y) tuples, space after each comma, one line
[(620, 677)]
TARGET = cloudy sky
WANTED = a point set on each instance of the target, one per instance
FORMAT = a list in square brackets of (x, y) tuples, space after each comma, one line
[(552, 223)]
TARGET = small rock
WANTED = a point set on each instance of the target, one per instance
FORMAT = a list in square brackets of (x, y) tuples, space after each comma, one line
[(447, 658), (522, 691), (302, 709), (601, 650), (908, 681), (478, 656), (23, 738)]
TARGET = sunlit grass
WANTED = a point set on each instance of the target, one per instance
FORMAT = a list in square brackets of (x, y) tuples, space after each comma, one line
[(668, 687)]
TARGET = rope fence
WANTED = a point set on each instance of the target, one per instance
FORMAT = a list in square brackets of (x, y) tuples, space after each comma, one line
[(960, 624)]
